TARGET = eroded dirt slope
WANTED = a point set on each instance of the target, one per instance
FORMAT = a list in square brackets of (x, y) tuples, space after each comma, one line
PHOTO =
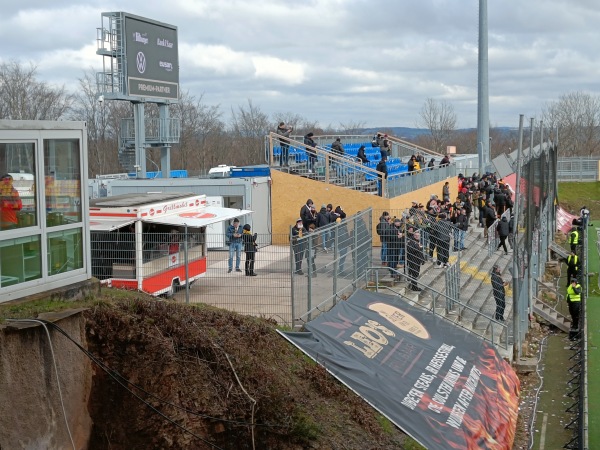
[(216, 373)]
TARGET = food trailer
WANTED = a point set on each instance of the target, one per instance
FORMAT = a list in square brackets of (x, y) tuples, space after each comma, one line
[(152, 242)]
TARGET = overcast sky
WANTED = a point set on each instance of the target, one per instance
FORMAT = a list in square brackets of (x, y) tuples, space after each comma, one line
[(337, 61)]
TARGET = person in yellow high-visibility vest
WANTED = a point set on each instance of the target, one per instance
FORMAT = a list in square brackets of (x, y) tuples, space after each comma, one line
[(572, 267), (574, 239), (574, 303)]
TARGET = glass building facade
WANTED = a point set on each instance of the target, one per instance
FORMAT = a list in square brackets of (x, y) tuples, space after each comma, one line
[(44, 236)]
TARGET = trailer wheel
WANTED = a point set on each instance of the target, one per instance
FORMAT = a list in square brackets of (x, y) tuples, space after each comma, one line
[(174, 288)]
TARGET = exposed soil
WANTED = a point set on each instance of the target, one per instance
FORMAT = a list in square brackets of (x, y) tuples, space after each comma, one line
[(203, 378)]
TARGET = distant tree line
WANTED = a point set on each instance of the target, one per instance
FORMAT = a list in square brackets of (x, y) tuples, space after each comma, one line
[(208, 140)]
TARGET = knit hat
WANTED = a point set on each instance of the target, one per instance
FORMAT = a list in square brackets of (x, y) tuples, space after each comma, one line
[(298, 220)]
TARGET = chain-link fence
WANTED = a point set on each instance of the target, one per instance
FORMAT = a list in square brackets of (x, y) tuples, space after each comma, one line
[(328, 264), (284, 278), (454, 278)]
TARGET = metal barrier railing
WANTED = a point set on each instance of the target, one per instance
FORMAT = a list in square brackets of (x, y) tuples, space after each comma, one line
[(323, 277), (345, 170), (445, 306)]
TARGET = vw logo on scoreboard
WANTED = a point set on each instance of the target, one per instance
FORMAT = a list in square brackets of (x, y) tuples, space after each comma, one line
[(152, 60)]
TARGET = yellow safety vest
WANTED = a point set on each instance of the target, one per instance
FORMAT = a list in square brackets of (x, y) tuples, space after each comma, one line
[(575, 237), (572, 258), (572, 295)]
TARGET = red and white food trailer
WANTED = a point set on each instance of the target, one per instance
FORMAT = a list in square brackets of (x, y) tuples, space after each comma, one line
[(142, 241)]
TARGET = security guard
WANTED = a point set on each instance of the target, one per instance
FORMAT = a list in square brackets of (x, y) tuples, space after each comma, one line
[(574, 239), (574, 302), (572, 267)]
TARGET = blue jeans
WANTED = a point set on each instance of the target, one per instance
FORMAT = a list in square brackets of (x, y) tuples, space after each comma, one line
[(285, 154), (384, 252), (237, 248), (326, 238)]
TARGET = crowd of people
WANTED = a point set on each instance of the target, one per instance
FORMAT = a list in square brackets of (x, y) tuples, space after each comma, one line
[(309, 221)]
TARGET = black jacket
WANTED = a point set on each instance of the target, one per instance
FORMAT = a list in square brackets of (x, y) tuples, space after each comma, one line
[(382, 167), (323, 218), (414, 252), (503, 228)]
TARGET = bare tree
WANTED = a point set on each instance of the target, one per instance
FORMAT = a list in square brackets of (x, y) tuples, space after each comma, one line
[(23, 97), (440, 119), (352, 127), (249, 127), (196, 150), (576, 115), (102, 138)]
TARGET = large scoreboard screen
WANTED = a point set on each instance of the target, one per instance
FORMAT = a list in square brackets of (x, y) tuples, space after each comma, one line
[(152, 58)]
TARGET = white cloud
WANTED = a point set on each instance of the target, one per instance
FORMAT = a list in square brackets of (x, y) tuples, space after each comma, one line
[(272, 68), (374, 61)]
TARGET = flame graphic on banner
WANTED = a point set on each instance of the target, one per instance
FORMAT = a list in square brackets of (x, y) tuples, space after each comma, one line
[(486, 424)]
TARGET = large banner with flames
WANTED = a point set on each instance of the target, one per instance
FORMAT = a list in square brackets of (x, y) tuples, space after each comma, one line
[(443, 386)]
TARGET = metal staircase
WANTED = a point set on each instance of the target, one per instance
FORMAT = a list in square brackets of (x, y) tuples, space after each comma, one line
[(551, 315)]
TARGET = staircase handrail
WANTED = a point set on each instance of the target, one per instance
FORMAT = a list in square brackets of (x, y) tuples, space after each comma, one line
[(344, 160)]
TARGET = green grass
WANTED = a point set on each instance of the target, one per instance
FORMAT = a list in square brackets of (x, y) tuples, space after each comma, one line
[(572, 196)]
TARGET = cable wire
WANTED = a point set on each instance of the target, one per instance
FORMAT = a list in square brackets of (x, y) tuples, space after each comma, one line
[(537, 394), (62, 403), (120, 380)]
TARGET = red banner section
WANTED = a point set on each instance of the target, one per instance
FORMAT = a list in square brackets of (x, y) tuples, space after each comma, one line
[(443, 386), (564, 220)]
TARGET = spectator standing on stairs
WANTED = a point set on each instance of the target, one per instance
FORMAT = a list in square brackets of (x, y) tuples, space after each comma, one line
[(310, 152), (414, 259), (446, 191), (489, 216), (384, 146), (381, 167), (284, 131), (503, 231), (498, 288), (338, 149)]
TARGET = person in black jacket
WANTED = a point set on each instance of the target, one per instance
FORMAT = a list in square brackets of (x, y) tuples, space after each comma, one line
[(312, 154), (381, 167), (324, 219), (250, 248), (572, 267), (489, 217), (298, 232), (443, 232), (307, 214), (503, 231), (498, 285), (462, 223), (414, 259), (361, 155)]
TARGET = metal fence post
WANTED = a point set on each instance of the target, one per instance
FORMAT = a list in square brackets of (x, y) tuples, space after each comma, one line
[(185, 262)]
